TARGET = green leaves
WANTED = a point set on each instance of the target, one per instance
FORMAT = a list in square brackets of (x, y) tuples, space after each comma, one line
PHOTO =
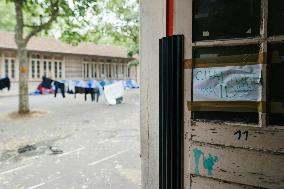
[(107, 22), (103, 22), (7, 15)]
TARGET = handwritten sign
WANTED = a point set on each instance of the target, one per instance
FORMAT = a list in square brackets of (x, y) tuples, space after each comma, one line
[(232, 83)]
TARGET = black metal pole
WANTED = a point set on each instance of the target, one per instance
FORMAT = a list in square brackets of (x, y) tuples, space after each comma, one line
[(171, 112)]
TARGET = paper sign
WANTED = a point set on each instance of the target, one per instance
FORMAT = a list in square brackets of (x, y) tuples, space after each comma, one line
[(232, 83)]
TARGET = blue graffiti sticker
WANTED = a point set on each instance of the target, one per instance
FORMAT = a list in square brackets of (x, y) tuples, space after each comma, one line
[(208, 162)]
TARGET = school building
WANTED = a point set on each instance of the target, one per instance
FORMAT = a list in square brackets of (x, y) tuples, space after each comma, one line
[(57, 60)]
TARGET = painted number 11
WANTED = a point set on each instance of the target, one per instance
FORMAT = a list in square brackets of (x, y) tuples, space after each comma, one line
[(239, 134)]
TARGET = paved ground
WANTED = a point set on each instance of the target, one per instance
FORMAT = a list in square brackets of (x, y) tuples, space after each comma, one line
[(100, 144)]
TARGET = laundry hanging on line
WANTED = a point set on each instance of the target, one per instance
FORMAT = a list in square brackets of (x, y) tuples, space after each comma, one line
[(83, 87), (61, 86), (5, 83)]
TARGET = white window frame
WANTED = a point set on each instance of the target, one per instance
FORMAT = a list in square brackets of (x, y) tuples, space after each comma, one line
[(38, 73), (49, 67), (10, 74), (11, 58)]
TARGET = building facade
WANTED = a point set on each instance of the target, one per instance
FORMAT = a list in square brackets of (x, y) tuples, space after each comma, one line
[(229, 141), (59, 61)]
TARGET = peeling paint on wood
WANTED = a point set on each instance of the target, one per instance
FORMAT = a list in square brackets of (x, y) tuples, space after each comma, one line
[(198, 182), (267, 139), (243, 166)]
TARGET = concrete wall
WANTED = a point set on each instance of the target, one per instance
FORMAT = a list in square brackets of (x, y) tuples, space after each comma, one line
[(153, 27)]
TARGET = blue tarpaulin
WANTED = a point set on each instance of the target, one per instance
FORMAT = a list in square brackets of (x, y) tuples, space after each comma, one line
[(95, 84), (105, 82), (130, 84)]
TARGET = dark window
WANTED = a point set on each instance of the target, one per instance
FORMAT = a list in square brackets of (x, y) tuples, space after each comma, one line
[(55, 70), (44, 68), (103, 68), (242, 117), (38, 69), (221, 19), (33, 69), (276, 87), (84, 70), (234, 55), (276, 17), (87, 70), (122, 67), (95, 70), (230, 54), (203, 52), (49, 67), (12, 68), (60, 69), (92, 70), (6, 67)]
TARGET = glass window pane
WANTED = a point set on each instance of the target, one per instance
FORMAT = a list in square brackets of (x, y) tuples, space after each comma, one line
[(221, 19), (12, 68), (92, 70), (276, 87), (84, 70), (60, 69), (87, 70), (55, 69), (33, 69), (49, 66), (276, 17), (38, 69), (6, 67), (44, 68)]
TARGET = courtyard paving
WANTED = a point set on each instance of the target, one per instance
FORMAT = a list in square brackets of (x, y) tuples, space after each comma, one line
[(100, 144)]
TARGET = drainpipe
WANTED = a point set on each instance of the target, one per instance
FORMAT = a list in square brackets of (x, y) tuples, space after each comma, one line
[(170, 17)]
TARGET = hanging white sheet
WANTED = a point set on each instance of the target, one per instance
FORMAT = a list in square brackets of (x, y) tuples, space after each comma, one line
[(114, 93)]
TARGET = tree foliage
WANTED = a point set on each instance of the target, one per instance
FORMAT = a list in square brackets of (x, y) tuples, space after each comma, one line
[(103, 22), (7, 15), (123, 25), (110, 22), (40, 15)]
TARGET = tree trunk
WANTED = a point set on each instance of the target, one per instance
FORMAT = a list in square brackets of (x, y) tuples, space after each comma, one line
[(23, 79), (23, 59)]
